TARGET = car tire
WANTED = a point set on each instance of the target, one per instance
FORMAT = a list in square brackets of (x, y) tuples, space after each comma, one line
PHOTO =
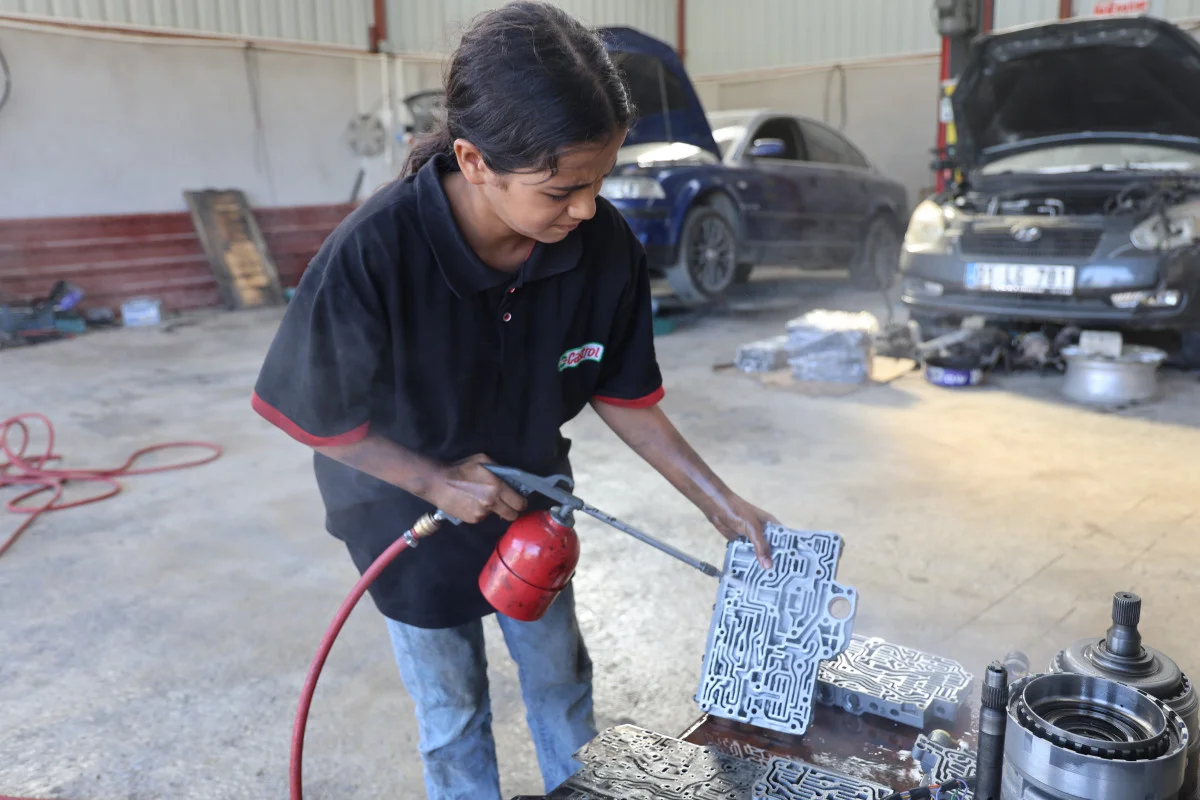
[(1189, 349), (706, 265), (878, 260)]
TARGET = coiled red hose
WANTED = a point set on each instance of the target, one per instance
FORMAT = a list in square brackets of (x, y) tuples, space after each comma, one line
[(22, 469), (30, 470)]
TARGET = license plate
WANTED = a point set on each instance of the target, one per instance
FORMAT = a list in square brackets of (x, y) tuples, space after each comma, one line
[(1021, 278)]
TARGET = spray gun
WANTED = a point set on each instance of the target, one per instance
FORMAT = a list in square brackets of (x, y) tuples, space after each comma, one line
[(536, 558)]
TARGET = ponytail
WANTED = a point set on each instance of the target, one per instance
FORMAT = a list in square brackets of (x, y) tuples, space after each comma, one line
[(434, 142)]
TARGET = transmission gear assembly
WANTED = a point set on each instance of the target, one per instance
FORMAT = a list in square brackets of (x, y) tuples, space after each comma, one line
[(1120, 656), (1079, 737)]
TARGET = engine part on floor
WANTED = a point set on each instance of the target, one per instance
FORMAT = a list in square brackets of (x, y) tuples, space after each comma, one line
[(796, 780), (1121, 656), (832, 346), (629, 762), (25, 469), (887, 680), (989, 763), (1112, 382), (1079, 737), (536, 557), (941, 762), (763, 654), (426, 526), (765, 355), (1034, 349)]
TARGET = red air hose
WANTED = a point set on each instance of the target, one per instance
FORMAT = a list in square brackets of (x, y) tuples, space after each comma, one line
[(30, 470), (424, 527), (26, 470)]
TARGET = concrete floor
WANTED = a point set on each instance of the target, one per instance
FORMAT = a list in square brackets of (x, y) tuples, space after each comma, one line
[(153, 645)]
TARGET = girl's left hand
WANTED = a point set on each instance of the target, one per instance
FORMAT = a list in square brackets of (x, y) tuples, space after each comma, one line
[(735, 518)]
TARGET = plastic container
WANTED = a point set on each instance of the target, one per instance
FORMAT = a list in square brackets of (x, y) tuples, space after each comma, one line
[(140, 312)]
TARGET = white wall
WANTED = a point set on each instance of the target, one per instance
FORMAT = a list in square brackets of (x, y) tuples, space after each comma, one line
[(104, 126)]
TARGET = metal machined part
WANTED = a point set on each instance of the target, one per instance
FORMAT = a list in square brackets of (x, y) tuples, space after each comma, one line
[(1078, 737), (941, 763), (1121, 656), (898, 683), (771, 630), (630, 763), (796, 780)]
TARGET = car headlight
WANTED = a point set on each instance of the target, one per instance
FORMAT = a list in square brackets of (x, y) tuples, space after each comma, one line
[(632, 188), (1178, 226), (926, 226)]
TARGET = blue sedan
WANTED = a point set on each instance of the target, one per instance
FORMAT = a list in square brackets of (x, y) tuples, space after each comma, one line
[(711, 196)]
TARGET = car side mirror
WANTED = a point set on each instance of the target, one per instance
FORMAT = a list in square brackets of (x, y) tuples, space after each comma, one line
[(768, 148)]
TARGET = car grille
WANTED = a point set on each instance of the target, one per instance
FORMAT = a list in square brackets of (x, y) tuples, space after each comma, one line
[(1053, 243)]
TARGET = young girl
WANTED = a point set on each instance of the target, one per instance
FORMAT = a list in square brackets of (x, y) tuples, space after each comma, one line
[(460, 317)]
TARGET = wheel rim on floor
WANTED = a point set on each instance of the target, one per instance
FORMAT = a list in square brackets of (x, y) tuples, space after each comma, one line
[(711, 256)]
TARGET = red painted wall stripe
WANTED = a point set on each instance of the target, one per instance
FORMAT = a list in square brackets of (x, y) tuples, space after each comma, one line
[(114, 258)]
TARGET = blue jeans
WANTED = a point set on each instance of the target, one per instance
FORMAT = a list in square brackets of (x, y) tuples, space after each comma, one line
[(445, 673)]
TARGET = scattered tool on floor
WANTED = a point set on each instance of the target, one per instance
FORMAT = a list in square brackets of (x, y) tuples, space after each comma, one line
[(23, 469)]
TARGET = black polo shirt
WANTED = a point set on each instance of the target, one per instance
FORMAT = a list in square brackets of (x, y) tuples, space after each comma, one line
[(398, 329)]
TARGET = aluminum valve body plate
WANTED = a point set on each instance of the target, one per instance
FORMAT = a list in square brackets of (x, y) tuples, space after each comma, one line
[(795, 780), (941, 763), (770, 631), (897, 683), (629, 763)]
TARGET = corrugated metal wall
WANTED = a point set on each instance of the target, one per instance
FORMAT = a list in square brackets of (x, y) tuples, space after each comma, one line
[(343, 22), (432, 26), (726, 36), (722, 35), (1022, 12)]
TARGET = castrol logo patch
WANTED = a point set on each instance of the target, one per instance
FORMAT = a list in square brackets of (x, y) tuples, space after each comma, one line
[(573, 358)]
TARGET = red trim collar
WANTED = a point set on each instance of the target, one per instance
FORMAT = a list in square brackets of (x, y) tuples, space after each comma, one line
[(277, 418)]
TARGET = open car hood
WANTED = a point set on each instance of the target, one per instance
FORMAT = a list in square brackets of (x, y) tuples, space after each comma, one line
[(1118, 79), (667, 106)]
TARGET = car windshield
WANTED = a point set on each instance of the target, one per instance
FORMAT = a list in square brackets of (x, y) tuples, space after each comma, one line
[(726, 137), (727, 129), (1105, 157)]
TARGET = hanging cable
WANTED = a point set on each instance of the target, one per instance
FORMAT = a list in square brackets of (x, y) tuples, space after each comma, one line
[(262, 153), (5, 81), (843, 101)]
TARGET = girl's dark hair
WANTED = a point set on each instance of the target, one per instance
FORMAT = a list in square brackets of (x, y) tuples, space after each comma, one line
[(526, 81)]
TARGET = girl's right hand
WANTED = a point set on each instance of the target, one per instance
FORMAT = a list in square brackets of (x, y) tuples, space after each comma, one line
[(468, 491)]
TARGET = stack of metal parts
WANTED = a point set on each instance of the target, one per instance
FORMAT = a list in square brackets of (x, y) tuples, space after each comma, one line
[(629, 763), (897, 683), (795, 780), (832, 346), (1120, 656), (1078, 737), (771, 630)]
